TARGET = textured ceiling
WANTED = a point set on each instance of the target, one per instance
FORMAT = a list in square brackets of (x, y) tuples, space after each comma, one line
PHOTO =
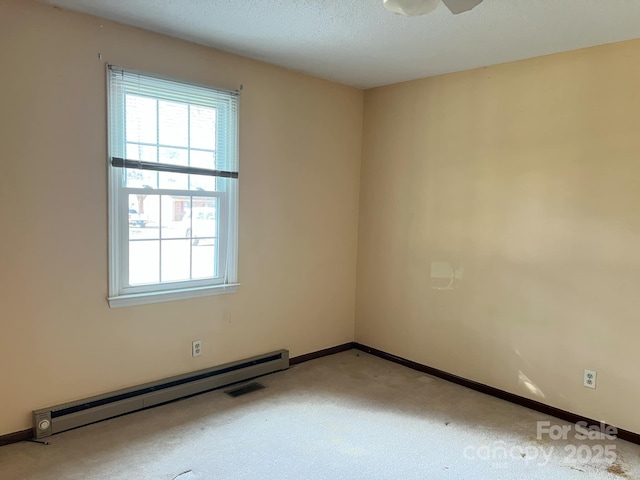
[(359, 43)]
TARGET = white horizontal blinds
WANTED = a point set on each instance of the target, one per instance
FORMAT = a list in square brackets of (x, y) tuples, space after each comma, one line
[(116, 116), (191, 97), (227, 126)]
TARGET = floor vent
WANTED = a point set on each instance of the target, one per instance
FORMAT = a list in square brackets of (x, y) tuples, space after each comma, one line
[(56, 419), (244, 389)]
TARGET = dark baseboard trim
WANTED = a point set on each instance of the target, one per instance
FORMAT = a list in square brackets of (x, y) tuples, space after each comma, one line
[(496, 392), (322, 353), (479, 387), (16, 437)]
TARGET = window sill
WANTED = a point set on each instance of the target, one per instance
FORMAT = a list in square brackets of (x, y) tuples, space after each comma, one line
[(169, 295)]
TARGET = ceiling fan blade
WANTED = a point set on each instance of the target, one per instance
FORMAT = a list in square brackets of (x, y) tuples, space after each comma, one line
[(410, 8), (459, 6)]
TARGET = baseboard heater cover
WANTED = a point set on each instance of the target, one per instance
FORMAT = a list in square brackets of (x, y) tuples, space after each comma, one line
[(56, 419)]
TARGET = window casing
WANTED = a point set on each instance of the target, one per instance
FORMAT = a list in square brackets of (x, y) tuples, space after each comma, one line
[(173, 189)]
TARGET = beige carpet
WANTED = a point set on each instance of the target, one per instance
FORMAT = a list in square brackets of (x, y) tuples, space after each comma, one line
[(347, 416)]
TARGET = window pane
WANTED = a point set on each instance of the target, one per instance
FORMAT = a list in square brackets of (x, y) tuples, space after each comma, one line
[(141, 119), (141, 178), (143, 216), (203, 127), (202, 159), (175, 223), (144, 258), (174, 156), (174, 123), (203, 261), (204, 219), (176, 256)]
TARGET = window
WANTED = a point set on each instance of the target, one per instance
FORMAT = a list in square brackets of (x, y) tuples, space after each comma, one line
[(173, 189)]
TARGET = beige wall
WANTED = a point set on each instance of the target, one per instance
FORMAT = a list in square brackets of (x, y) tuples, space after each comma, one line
[(528, 173), (300, 159)]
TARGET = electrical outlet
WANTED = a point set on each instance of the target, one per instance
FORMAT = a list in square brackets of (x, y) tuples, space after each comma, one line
[(196, 348), (590, 377)]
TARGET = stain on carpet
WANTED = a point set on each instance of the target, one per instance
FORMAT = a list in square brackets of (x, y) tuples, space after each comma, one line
[(539, 441), (618, 470)]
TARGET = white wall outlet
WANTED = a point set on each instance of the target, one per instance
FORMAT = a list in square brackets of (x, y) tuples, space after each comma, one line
[(196, 348), (590, 377)]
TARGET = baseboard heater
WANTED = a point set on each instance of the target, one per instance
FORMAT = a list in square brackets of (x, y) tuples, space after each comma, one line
[(52, 420)]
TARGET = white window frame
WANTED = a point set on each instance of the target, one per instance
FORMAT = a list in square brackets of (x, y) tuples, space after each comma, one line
[(121, 294)]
